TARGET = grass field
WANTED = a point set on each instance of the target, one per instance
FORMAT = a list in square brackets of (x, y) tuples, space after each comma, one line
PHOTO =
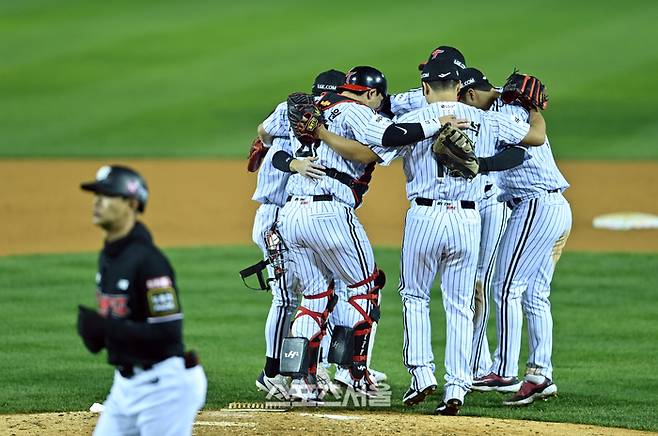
[(173, 79), (605, 330), (89, 79)]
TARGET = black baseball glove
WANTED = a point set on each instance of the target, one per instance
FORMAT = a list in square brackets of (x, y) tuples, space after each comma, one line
[(304, 117), (455, 150), (528, 91), (91, 327)]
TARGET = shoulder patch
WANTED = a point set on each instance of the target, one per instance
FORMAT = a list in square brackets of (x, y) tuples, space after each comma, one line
[(162, 301)]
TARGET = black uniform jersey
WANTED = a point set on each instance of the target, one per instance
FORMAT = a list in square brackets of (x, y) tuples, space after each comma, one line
[(136, 292)]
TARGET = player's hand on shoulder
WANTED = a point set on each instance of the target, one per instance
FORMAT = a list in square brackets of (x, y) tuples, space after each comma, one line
[(307, 167), (460, 123)]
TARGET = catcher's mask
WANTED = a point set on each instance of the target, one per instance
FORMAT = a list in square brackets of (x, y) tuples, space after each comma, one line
[(119, 181), (275, 257)]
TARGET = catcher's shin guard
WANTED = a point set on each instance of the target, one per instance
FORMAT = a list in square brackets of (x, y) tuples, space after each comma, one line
[(362, 328), (341, 348), (294, 357), (312, 350)]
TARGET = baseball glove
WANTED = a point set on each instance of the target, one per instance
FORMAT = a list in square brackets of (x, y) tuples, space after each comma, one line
[(304, 117), (455, 150), (91, 327), (256, 155), (527, 90)]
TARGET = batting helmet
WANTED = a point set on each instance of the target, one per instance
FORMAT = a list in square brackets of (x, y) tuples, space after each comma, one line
[(119, 181), (364, 79)]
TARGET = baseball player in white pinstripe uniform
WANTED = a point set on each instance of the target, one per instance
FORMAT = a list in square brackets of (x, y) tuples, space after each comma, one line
[(530, 248), (271, 193), (323, 235), (493, 215), (442, 234)]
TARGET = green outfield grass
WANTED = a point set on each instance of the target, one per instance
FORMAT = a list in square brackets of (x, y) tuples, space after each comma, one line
[(193, 79), (603, 304)]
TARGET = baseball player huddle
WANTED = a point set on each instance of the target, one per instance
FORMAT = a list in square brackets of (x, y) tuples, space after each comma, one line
[(497, 231)]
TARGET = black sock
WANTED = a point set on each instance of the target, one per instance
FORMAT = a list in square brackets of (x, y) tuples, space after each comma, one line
[(271, 367)]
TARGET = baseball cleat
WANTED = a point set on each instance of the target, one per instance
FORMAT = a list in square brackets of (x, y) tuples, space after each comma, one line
[(530, 392), (494, 382), (343, 377), (304, 389), (378, 375), (449, 408), (325, 385), (274, 387), (365, 386), (413, 397)]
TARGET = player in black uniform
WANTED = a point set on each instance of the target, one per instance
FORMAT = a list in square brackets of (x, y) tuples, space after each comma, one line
[(157, 388)]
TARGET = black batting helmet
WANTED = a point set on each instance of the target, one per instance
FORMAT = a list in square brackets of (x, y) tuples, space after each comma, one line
[(119, 181), (364, 79)]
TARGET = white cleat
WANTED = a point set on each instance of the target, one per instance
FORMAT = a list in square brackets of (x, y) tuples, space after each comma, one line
[(325, 385), (378, 375), (275, 387), (302, 389)]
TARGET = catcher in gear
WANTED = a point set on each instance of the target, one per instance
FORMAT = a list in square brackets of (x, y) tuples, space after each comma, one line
[(526, 90)]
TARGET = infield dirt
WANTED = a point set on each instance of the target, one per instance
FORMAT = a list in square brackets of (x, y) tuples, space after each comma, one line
[(202, 202), (312, 422)]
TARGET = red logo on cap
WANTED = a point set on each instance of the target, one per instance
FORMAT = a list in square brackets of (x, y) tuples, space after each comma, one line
[(436, 52), (349, 75)]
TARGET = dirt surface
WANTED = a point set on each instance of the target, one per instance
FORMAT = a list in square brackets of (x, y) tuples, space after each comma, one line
[(42, 209), (313, 422)]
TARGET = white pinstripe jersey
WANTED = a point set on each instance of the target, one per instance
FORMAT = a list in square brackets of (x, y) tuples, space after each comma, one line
[(426, 177), (271, 183), (407, 101), (414, 99), (351, 120), (538, 172)]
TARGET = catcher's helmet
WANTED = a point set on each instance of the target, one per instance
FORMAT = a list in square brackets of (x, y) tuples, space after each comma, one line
[(119, 181), (364, 79)]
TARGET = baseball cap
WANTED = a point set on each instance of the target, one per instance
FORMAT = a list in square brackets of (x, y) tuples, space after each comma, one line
[(444, 52), (435, 70), (328, 81), (472, 78)]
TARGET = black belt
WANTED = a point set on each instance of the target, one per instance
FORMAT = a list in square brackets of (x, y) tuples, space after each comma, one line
[(515, 201), (420, 201), (324, 197), (129, 371)]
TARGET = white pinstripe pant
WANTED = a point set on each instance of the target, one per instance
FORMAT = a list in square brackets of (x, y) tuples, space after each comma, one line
[(531, 246), (442, 239), (284, 295), (494, 215), (326, 241)]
